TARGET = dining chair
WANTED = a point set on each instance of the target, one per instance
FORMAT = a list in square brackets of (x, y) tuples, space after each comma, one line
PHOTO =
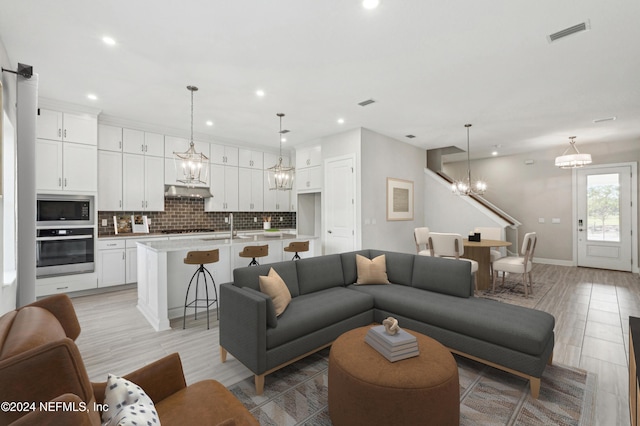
[(491, 233), (421, 237), (450, 245), (518, 264)]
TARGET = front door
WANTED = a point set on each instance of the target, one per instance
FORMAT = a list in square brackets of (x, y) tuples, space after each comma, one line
[(340, 205), (604, 217)]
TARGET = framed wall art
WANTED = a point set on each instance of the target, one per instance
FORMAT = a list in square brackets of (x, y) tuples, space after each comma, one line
[(399, 199)]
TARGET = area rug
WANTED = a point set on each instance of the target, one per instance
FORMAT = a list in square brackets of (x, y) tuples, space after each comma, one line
[(513, 292), (297, 395)]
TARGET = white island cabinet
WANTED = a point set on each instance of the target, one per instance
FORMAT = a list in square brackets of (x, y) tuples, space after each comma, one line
[(163, 277)]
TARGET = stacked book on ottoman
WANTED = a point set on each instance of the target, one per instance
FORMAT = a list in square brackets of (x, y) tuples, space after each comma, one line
[(394, 347)]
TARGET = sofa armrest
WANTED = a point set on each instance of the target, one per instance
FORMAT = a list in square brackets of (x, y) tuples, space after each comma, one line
[(42, 374), (61, 307), (73, 412), (243, 326), (159, 379)]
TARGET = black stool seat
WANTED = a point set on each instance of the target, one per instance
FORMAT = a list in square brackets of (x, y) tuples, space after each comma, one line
[(201, 258), (253, 252), (297, 247)]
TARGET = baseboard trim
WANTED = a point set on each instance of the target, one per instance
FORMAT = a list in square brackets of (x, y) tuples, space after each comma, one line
[(554, 262)]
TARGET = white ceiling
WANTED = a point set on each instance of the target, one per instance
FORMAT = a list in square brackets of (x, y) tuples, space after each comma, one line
[(430, 66)]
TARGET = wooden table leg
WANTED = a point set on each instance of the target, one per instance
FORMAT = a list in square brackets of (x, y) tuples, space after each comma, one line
[(482, 255)]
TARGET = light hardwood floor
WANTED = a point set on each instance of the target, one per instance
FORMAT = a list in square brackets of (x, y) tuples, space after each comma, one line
[(591, 307)]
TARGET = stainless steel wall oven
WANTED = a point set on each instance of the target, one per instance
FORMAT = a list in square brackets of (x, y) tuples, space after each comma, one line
[(65, 235)]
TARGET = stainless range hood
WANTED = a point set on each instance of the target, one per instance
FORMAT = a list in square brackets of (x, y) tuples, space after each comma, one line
[(177, 191)]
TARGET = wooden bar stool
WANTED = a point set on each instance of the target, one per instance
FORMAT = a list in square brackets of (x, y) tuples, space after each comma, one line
[(253, 252), (201, 258), (297, 247)]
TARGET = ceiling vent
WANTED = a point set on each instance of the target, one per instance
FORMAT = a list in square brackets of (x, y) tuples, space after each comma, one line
[(601, 120), (283, 131), (410, 136), (367, 102), (583, 26)]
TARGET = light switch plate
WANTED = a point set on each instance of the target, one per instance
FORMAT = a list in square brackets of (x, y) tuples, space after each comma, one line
[(104, 222), (555, 220), (541, 220)]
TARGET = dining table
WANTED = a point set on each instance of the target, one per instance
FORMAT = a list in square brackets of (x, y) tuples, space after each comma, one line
[(480, 251)]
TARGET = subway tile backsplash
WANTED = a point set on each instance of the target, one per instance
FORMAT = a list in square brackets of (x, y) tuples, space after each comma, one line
[(188, 213)]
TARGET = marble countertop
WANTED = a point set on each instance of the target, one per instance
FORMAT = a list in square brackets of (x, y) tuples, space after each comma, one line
[(209, 242)]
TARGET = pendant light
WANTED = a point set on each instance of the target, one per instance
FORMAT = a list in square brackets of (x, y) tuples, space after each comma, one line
[(464, 186), (574, 160), (191, 166), (280, 176)]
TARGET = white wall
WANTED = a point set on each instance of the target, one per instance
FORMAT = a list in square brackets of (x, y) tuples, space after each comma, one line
[(541, 190), (384, 157), (7, 289), (446, 212)]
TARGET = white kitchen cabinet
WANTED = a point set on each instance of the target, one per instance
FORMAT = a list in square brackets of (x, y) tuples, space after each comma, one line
[(275, 200), (153, 144), (225, 155), (133, 141), (250, 190), (224, 188), (250, 159), (309, 157), (68, 127), (109, 138), (63, 166), (309, 179), (143, 187), (111, 263), (109, 181)]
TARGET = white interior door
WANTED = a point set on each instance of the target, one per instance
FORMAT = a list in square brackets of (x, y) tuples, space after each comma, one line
[(604, 217), (340, 206)]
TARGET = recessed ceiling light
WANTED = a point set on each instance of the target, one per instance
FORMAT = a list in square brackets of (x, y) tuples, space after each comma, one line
[(340, 120), (283, 139), (370, 4), (209, 123), (92, 97), (494, 153), (109, 41), (260, 93)]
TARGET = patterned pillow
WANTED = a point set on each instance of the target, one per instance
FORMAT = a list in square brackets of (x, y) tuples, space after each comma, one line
[(128, 404), (372, 271), (275, 287)]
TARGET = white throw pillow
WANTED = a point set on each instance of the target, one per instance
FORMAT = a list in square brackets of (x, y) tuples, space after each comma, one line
[(128, 404)]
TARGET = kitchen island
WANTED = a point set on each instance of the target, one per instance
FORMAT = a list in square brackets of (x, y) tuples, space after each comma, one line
[(163, 277)]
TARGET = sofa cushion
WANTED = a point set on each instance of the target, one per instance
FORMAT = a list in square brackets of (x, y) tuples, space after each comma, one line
[(248, 275), (399, 266), (446, 276), (31, 327), (371, 271), (349, 269), (319, 273), (277, 290), (128, 404), (314, 311), (522, 329)]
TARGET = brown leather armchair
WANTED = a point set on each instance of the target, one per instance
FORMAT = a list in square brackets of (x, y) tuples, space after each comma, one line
[(40, 362)]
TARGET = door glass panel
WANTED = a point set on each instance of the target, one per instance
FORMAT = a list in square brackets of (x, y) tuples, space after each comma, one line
[(603, 207)]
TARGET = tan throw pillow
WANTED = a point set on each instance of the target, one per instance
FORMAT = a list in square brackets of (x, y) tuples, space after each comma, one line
[(372, 271), (276, 289)]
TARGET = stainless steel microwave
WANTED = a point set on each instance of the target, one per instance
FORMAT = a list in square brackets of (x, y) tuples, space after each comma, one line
[(64, 210)]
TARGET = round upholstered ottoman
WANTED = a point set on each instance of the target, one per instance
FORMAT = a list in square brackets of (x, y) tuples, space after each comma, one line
[(366, 389)]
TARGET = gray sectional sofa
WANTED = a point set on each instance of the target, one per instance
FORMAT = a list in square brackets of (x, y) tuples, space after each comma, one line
[(433, 296)]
